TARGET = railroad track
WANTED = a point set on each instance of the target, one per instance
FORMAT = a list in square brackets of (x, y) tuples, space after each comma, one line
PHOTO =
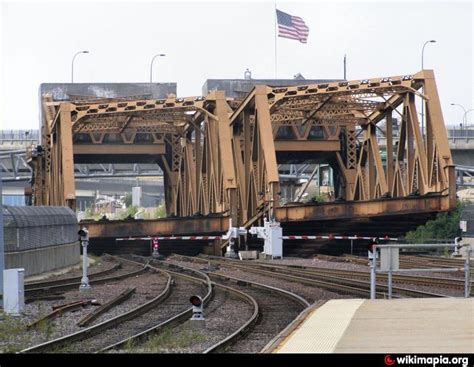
[(272, 309), (407, 261), (49, 283), (174, 311), (275, 310), (350, 274), (95, 337), (335, 283), (40, 290)]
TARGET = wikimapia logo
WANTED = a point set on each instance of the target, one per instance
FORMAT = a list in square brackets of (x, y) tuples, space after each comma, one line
[(426, 361)]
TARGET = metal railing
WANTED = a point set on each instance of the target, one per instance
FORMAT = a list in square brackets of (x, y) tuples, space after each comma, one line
[(390, 271)]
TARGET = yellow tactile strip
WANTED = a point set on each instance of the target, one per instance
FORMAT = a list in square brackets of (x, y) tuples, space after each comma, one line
[(323, 328)]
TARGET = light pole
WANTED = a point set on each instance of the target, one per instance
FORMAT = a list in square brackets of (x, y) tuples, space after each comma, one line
[(72, 64), (465, 115), (151, 66), (463, 123), (84, 238), (423, 101)]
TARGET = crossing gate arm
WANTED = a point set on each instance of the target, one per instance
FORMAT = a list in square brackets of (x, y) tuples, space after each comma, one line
[(330, 237)]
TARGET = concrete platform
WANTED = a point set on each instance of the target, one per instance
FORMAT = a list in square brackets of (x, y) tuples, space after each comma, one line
[(421, 325)]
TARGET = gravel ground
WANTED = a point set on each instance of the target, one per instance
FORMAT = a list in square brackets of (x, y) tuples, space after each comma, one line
[(311, 294), (103, 264), (222, 319), (344, 265), (177, 302), (276, 312), (13, 333)]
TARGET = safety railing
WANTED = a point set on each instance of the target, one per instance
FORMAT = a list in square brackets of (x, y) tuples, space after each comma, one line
[(389, 264)]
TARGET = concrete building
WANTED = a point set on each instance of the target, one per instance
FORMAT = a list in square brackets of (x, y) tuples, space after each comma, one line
[(238, 88)]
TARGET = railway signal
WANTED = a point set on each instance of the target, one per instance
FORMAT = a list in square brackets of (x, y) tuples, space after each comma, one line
[(197, 303), (84, 238), (457, 242), (370, 249), (232, 234), (155, 248)]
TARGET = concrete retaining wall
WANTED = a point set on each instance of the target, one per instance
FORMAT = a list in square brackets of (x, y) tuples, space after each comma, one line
[(40, 260)]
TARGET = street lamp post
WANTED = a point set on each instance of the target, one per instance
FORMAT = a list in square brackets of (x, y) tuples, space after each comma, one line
[(72, 64), (465, 115), (151, 66), (423, 101), (463, 123)]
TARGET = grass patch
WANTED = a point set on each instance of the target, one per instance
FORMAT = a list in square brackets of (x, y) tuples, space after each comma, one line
[(129, 346), (171, 340), (46, 327), (11, 328), (96, 260)]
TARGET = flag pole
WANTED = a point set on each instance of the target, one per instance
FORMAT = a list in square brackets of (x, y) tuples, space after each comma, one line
[(276, 65)]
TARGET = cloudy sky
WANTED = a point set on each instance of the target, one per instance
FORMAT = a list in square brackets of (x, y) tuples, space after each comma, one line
[(221, 39)]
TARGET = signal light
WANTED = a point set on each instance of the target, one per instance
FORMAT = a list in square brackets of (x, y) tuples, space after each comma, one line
[(196, 301)]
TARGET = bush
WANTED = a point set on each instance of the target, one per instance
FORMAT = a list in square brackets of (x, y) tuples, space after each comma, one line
[(445, 226), (317, 199), (127, 200), (132, 210), (160, 211)]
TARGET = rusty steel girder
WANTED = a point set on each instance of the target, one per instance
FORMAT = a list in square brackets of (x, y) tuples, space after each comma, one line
[(220, 156), (164, 226)]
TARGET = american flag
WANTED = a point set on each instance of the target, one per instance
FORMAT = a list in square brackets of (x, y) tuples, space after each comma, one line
[(292, 27)]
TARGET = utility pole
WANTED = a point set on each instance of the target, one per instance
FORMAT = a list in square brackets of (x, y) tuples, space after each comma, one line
[(345, 75)]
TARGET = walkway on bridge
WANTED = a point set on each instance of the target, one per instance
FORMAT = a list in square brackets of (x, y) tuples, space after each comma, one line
[(422, 325)]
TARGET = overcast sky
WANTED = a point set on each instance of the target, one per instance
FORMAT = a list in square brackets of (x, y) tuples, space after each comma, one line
[(221, 39)]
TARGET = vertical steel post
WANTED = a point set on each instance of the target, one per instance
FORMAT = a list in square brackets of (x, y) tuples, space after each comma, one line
[(84, 242), (467, 273), (352, 246), (389, 273), (85, 278), (373, 264)]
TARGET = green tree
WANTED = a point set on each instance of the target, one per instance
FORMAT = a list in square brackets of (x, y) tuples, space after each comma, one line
[(127, 199), (317, 199), (132, 210), (160, 211), (445, 226)]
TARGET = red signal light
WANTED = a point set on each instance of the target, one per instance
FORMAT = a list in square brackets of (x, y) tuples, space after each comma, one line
[(195, 301)]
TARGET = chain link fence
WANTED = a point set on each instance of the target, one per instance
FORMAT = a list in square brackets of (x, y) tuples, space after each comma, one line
[(32, 227)]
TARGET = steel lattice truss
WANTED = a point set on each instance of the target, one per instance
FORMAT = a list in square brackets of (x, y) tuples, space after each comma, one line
[(222, 156)]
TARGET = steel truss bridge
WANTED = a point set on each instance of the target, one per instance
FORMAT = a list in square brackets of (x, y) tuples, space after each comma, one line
[(220, 156), (14, 167)]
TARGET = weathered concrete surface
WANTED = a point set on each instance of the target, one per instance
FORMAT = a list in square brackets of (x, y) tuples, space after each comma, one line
[(40, 260), (68, 91), (399, 326)]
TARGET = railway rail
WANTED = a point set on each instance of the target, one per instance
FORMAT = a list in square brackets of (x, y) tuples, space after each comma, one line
[(330, 282), (39, 289), (277, 308), (75, 279), (407, 261), (95, 337), (272, 309), (260, 322), (399, 278)]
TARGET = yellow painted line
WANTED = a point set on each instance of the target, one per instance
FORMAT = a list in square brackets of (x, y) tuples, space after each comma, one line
[(323, 328)]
